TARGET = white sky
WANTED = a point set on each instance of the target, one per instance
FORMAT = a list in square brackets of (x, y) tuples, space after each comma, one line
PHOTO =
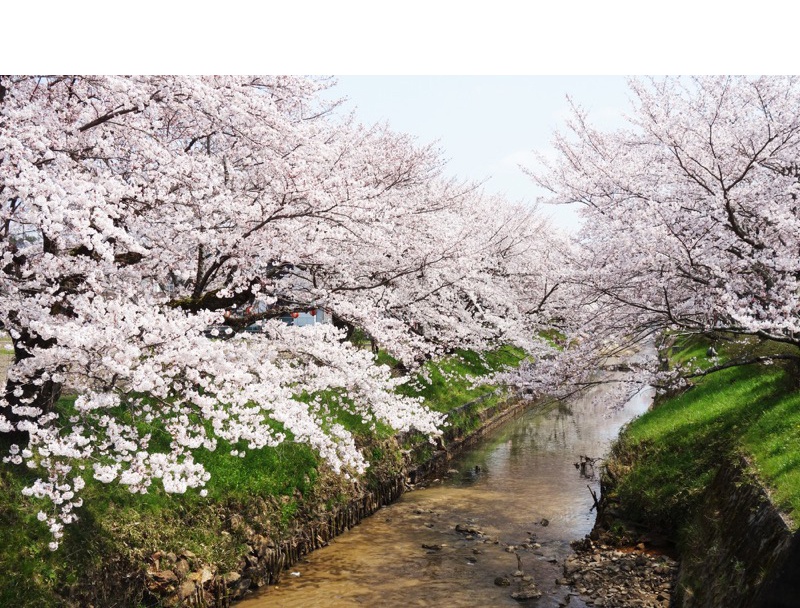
[(487, 125)]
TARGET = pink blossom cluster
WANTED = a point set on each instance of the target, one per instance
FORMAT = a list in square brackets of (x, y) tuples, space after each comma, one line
[(691, 213)]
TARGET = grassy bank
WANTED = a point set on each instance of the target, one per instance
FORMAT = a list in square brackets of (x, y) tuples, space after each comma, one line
[(266, 493), (666, 459)]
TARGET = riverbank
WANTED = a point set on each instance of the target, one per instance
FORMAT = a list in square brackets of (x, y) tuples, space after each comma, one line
[(177, 579), (712, 473), (262, 512)]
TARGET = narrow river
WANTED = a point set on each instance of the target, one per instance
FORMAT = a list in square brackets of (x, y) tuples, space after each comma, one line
[(520, 494)]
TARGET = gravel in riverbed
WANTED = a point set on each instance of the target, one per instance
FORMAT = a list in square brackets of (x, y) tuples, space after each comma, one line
[(612, 577)]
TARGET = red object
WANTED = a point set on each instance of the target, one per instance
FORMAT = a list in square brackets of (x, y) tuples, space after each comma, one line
[(295, 315), (313, 312)]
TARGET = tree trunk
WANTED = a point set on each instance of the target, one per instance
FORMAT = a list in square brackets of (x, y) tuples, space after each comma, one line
[(43, 396)]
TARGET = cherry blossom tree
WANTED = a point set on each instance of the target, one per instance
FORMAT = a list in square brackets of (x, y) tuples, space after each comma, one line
[(691, 217), (140, 212)]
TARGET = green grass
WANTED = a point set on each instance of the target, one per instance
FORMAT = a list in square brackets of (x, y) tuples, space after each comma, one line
[(774, 442), (450, 383), (666, 459)]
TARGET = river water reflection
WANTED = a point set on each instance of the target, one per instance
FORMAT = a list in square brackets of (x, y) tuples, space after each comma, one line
[(519, 476)]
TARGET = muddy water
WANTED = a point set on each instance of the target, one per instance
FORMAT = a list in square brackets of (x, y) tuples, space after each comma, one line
[(519, 490)]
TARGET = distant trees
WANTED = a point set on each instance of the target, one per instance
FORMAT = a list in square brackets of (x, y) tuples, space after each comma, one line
[(692, 218), (138, 212)]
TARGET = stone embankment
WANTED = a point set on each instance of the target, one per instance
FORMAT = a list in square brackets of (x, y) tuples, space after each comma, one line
[(181, 579), (742, 552)]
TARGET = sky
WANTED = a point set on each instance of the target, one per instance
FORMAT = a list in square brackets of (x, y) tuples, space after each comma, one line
[(487, 126)]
